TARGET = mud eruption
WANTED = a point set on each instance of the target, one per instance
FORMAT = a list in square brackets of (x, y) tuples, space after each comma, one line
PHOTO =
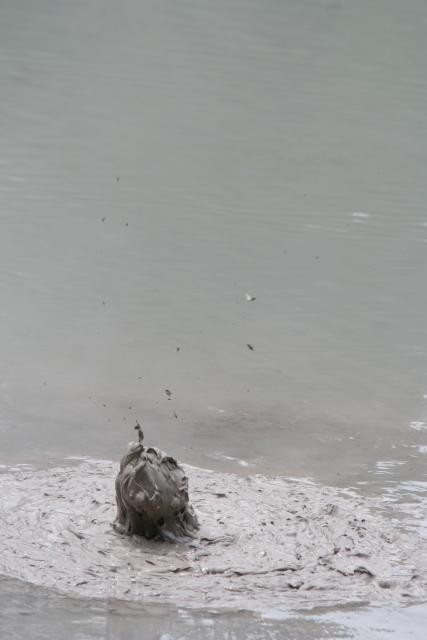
[(152, 495), (263, 542)]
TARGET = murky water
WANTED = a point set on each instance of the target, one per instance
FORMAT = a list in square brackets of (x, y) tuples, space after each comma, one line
[(159, 161)]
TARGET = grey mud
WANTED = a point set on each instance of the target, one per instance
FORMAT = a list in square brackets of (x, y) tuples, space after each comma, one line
[(262, 542)]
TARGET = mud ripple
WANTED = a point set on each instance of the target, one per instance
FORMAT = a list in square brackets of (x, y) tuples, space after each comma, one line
[(263, 542)]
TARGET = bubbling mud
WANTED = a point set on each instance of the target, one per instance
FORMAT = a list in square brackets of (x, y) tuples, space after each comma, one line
[(152, 495), (263, 543)]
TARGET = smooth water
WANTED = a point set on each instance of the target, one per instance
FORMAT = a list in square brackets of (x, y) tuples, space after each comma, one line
[(158, 161)]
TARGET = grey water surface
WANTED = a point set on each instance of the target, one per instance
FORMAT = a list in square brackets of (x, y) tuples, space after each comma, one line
[(159, 161)]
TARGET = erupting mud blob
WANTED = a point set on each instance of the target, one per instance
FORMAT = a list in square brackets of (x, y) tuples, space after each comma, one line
[(152, 494)]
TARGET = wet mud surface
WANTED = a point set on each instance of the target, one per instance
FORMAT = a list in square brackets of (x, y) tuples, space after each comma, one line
[(263, 542)]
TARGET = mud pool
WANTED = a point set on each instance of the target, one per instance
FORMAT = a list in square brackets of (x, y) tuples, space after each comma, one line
[(264, 543), (179, 181)]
